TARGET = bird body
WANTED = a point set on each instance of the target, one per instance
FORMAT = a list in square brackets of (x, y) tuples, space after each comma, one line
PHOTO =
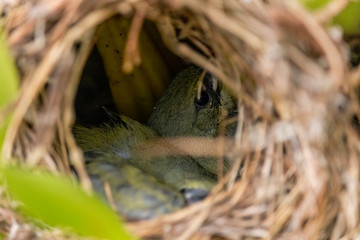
[(144, 185), (135, 194), (115, 153)]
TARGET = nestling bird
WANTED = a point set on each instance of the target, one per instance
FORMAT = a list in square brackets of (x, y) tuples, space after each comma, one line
[(135, 193), (142, 187), (183, 112), (117, 153)]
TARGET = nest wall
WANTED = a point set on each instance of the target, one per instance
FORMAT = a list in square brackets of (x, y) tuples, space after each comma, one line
[(297, 144)]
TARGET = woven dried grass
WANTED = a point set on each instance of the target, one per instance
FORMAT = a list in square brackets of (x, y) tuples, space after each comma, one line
[(296, 143)]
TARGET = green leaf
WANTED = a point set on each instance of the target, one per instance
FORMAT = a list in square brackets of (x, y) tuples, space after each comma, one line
[(348, 19), (8, 74), (314, 4), (58, 202), (8, 83)]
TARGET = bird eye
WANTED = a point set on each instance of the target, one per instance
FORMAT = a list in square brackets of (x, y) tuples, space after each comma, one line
[(203, 100)]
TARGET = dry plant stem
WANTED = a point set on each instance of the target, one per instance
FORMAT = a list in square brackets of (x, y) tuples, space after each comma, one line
[(200, 84), (226, 23), (109, 195), (24, 27), (146, 228), (200, 46), (333, 56), (310, 167), (49, 114), (132, 53), (70, 14), (188, 53), (350, 201), (36, 81), (194, 225), (64, 156), (223, 197), (354, 78), (238, 136), (281, 215), (16, 37), (332, 9), (68, 119), (193, 146), (28, 92), (305, 63)]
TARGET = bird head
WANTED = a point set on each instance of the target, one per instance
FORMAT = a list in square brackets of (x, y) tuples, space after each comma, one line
[(195, 104)]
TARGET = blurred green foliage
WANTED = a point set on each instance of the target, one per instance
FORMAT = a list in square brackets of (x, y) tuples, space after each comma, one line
[(8, 83), (8, 74), (58, 202), (348, 19), (314, 4)]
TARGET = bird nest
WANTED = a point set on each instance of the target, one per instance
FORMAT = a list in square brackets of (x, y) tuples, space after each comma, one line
[(297, 142)]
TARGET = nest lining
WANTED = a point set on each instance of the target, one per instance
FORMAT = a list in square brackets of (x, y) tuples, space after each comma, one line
[(296, 91)]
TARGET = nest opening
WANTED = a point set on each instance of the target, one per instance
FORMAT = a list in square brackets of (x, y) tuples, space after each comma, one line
[(298, 103), (94, 92)]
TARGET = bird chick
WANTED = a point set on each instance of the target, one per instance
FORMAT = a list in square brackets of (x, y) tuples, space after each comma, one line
[(134, 193), (183, 112), (119, 152), (143, 187)]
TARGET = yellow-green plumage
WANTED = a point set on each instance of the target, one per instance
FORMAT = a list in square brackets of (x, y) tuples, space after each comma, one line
[(135, 193), (150, 186), (144, 186), (124, 140), (179, 113)]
